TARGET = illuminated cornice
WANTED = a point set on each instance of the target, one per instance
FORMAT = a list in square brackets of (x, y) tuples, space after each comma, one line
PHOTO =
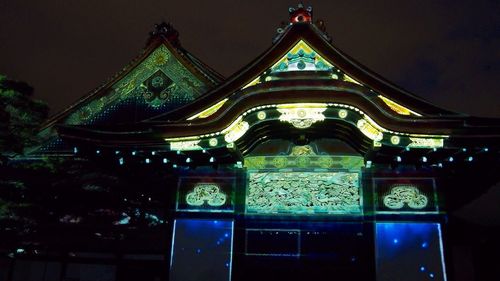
[(303, 115)]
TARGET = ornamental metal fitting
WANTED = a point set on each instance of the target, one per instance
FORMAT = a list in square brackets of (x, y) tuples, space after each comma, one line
[(302, 118)]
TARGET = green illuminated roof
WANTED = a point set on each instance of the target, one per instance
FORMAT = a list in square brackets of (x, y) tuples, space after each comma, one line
[(163, 77), (305, 82)]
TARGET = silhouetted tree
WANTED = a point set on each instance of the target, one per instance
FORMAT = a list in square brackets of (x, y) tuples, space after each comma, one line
[(20, 117)]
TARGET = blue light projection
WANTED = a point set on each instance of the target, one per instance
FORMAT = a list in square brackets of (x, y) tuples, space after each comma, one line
[(272, 242), (409, 251), (201, 250)]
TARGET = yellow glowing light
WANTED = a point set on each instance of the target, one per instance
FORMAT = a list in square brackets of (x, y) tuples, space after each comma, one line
[(306, 114), (261, 115), (185, 145), (342, 113), (302, 115), (369, 130), (182, 138), (348, 78), (236, 130), (252, 83), (395, 140), (209, 111), (426, 142), (301, 45), (213, 142), (374, 124), (397, 107)]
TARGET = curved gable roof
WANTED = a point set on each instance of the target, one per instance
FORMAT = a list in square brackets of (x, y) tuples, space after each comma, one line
[(161, 42), (128, 96), (340, 83), (319, 42)]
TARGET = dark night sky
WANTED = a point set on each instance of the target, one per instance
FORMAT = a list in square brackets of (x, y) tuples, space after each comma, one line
[(447, 52)]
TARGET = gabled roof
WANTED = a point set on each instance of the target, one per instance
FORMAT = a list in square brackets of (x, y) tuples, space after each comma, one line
[(302, 73), (130, 96), (311, 36), (163, 41)]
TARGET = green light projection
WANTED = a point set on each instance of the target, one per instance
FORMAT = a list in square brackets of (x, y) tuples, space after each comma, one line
[(303, 193), (304, 157), (316, 161), (159, 80), (405, 194), (206, 192), (301, 57)]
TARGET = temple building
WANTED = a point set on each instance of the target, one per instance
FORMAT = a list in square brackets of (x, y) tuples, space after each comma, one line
[(303, 165)]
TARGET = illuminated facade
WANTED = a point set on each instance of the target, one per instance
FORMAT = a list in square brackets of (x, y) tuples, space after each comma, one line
[(304, 165)]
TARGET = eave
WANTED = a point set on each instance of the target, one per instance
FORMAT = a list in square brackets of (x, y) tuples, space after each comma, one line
[(288, 92)]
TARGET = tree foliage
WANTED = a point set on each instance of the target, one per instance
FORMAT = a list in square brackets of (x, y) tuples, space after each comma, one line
[(20, 116), (76, 195)]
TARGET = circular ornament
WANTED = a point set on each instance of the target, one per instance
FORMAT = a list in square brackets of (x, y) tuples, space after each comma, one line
[(342, 113), (395, 140), (213, 142), (301, 65), (261, 115)]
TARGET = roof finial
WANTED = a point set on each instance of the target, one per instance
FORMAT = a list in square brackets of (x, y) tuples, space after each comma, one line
[(165, 31), (300, 14)]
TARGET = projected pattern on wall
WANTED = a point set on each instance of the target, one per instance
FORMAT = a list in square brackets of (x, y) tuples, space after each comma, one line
[(405, 195), (201, 250), (303, 192), (208, 193), (409, 251)]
